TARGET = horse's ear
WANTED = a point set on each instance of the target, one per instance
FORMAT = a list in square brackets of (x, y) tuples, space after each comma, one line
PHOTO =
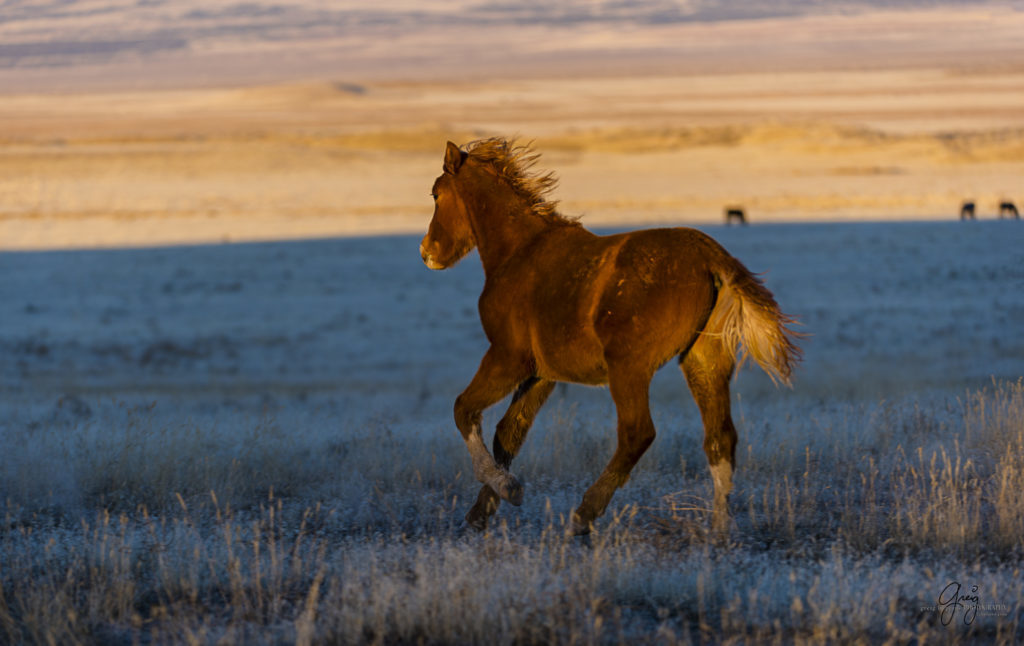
[(453, 158)]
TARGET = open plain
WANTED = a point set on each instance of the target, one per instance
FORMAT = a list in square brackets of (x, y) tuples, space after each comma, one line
[(226, 377), (252, 443)]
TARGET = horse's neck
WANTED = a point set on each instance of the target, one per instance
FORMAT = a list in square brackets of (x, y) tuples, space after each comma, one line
[(503, 223)]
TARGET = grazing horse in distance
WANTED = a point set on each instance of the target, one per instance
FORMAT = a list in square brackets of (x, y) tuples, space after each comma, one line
[(561, 304), (1009, 209), (967, 211), (735, 213)]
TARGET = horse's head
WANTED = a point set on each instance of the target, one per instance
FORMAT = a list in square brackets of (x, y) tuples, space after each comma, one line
[(450, 236)]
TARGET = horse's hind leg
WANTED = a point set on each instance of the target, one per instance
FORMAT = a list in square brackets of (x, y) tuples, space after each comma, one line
[(629, 388), (508, 439), (708, 367)]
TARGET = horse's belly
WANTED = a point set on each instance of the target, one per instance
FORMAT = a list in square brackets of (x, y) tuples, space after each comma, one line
[(591, 375), (578, 360)]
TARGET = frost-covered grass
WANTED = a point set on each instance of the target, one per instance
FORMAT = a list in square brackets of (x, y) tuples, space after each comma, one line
[(836, 538), (254, 445)]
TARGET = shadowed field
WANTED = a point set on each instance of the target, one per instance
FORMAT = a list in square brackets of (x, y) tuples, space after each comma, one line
[(253, 444)]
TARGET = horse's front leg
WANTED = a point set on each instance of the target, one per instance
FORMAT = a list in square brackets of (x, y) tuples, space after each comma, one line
[(629, 388), (495, 378), (508, 439)]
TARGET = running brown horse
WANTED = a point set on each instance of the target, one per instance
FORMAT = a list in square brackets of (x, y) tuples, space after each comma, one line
[(563, 304)]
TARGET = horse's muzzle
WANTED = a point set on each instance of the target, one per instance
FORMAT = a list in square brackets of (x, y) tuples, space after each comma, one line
[(428, 259)]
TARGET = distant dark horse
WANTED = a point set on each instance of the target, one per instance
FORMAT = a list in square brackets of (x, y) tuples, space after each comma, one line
[(736, 214), (1009, 209), (967, 211), (562, 304)]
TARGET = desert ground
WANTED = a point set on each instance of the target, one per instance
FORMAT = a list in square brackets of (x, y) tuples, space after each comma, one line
[(226, 377), (886, 115)]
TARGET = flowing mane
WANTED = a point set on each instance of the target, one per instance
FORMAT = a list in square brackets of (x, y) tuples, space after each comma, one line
[(514, 163)]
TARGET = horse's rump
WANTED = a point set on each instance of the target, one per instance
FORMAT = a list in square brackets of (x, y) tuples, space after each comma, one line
[(630, 289)]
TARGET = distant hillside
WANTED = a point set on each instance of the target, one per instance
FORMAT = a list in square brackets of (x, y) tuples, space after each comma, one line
[(153, 42), (57, 33)]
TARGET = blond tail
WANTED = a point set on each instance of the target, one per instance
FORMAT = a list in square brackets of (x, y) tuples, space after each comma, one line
[(747, 315)]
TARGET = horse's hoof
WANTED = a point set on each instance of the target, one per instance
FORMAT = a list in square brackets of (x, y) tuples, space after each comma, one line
[(721, 527), (577, 527), (477, 523), (510, 490)]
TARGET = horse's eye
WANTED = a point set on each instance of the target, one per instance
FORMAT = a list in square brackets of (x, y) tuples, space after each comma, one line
[(433, 195)]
